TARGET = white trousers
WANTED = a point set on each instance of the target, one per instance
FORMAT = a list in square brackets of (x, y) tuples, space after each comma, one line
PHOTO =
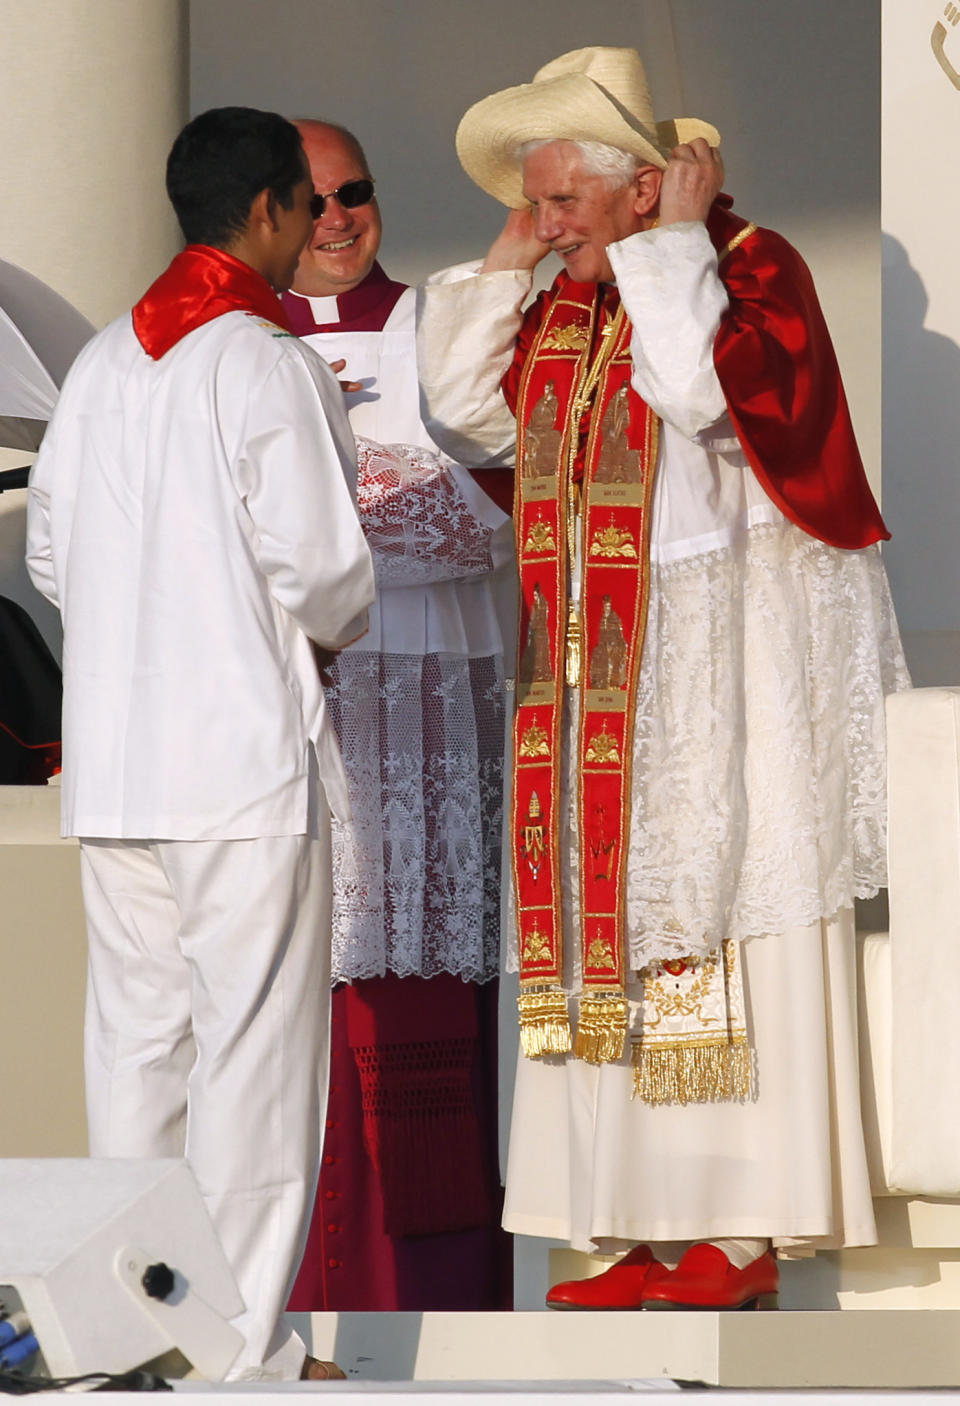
[(207, 1035)]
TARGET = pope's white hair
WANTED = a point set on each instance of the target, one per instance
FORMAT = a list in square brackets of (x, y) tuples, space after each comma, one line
[(616, 167)]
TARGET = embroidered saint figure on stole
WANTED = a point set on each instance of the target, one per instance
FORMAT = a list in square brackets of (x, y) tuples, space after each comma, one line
[(535, 666), (542, 454), (608, 658), (618, 463)]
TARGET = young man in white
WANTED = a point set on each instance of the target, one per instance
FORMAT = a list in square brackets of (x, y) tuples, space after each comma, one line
[(192, 513)]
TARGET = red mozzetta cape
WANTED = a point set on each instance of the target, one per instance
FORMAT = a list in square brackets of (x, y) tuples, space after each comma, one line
[(779, 373)]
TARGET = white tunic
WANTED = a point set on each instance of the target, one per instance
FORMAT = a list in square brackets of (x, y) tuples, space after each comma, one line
[(758, 793), (194, 519)]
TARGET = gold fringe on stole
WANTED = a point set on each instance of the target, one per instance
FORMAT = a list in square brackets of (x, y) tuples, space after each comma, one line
[(602, 1029), (705, 1071), (544, 1023)]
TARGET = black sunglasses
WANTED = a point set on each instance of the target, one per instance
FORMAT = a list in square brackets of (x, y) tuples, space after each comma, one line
[(350, 195)]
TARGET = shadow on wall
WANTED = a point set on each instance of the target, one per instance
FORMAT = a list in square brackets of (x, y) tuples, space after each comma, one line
[(15, 584), (921, 458)]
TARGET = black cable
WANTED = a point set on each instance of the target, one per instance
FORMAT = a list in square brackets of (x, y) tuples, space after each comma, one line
[(14, 478), (15, 1384)]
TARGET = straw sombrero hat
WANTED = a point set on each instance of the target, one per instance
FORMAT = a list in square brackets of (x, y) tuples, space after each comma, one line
[(596, 94)]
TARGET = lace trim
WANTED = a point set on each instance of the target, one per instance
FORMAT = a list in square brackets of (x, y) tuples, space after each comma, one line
[(418, 1080), (759, 747), (422, 1132), (417, 872), (417, 523)]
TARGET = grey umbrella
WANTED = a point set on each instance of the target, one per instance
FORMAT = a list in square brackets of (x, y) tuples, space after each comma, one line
[(40, 334)]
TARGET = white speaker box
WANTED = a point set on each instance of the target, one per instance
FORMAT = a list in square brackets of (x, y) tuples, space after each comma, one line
[(77, 1237)]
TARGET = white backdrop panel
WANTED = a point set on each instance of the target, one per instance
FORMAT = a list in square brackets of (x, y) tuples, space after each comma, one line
[(793, 89), (921, 310)]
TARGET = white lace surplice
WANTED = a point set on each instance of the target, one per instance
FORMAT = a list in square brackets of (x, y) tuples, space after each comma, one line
[(416, 518), (417, 871), (758, 772), (758, 800)]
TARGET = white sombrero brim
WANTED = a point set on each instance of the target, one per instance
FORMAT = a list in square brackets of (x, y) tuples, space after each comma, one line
[(569, 108)]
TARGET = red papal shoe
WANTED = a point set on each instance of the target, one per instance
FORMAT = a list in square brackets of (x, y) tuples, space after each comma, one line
[(705, 1278), (620, 1286)]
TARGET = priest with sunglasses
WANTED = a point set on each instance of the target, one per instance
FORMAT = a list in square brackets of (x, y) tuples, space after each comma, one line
[(407, 1211)]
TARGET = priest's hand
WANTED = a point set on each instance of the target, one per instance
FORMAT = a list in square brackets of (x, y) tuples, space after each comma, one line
[(691, 182), (336, 367), (516, 246)]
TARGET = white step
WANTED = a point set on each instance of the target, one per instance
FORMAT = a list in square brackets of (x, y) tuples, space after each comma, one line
[(850, 1348)]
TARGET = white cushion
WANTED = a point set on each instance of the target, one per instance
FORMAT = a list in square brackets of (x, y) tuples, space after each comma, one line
[(30, 815), (923, 735)]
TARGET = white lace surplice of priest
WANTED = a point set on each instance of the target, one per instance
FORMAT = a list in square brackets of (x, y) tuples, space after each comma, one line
[(421, 726)]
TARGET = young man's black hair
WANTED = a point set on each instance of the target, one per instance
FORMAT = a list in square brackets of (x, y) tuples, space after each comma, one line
[(221, 161)]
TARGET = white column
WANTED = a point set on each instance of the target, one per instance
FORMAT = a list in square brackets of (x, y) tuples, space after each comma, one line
[(94, 92)]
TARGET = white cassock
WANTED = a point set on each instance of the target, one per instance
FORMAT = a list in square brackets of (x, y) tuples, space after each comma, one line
[(194, 519), (758, 796)]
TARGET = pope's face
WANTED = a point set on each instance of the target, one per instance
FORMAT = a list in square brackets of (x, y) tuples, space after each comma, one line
[(576, 212), (344, 243)]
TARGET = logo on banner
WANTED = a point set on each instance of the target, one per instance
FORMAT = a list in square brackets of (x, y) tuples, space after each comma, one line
[(938, 39)]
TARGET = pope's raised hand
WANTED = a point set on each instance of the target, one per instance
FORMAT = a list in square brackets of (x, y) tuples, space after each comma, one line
[(516, 246), (691, 182)]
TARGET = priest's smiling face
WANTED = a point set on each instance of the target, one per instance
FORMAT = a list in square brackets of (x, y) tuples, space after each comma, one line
[(344, 243)]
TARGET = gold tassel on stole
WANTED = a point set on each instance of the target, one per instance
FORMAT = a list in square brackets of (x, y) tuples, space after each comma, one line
[(544, 1023), (698, 1072), (602, 1029), (574, 650)]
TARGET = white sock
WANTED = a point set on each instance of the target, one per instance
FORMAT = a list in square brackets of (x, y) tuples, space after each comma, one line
[(669, 1252), (740, 1253)]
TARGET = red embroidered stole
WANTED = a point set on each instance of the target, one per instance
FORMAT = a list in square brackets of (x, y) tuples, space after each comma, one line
[(576, 366)]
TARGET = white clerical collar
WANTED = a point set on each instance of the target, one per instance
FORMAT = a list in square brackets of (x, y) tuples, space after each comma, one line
[(323, 309)]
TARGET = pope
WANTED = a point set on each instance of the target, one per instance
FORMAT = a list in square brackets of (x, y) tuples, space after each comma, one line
[(704, 749)]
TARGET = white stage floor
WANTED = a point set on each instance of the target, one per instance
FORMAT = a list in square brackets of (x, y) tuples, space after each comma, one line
[(545, 1394), (787, 1350), (446, 1394), (841, 1358)]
